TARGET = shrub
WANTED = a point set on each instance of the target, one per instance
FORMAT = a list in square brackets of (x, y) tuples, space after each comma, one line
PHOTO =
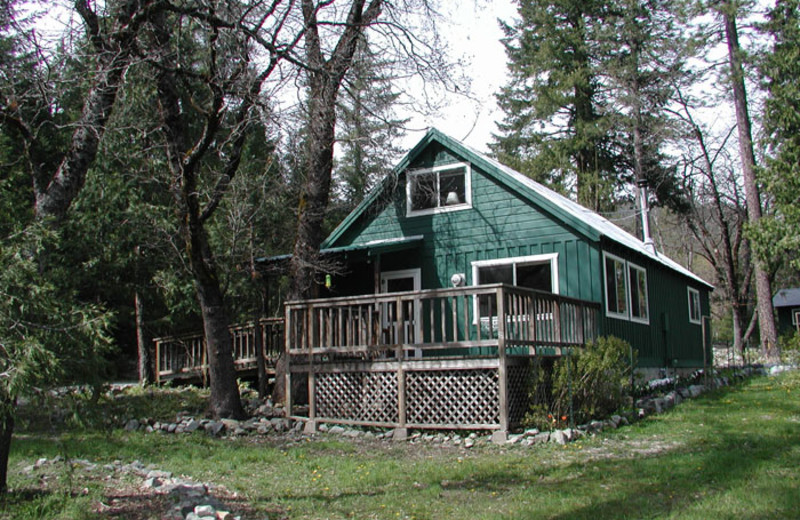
[(790, 348), (595, 381)]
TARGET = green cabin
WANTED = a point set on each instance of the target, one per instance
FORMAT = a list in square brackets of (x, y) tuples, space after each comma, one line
[(450, 216), (787, 305)]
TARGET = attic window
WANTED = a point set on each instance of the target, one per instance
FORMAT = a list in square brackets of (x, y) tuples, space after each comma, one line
[(442, 188)]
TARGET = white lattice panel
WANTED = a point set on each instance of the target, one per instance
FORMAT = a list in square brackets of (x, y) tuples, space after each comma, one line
[(462, 397), (368, 397)]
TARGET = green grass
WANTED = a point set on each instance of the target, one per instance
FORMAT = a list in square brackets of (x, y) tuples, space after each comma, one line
[(733, 453)]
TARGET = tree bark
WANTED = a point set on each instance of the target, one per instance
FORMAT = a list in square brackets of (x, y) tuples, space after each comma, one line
[(6, 431), (114, 47), (145, 361), (325, 78), (184, 160), (766, 317)]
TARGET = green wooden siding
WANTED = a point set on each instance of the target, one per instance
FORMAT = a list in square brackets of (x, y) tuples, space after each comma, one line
[(670, 339)]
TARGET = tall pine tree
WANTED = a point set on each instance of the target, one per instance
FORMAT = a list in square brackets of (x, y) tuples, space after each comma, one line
[(556, 129)]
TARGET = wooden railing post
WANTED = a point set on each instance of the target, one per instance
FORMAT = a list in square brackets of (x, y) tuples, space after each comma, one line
[(401, 432), (501, 435), (288, 335), (158, 361)]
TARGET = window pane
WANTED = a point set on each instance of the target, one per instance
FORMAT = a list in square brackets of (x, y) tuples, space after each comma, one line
[(694, 306), (452, 187), (616, 299), (423, 191), (638, 279), (535, 276), (495, 274)]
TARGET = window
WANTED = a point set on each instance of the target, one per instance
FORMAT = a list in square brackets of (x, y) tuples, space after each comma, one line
[(538, 272), (616, 287), (694, 306), (795, 317), (626, 290), (638, 280), (438, 189)]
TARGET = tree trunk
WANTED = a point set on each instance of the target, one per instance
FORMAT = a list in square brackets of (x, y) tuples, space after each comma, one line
[(142, 344), (6, 431), (766, 317)]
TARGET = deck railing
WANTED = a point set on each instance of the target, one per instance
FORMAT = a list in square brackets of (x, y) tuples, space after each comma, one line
[(185, 356), (467, 320)]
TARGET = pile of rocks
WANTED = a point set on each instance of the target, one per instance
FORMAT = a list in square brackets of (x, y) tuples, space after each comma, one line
[(187, 424), (193, 500)]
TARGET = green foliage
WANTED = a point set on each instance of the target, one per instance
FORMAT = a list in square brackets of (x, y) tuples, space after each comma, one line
[(47, 336), (790, 348), (590, 383), (777, 233)]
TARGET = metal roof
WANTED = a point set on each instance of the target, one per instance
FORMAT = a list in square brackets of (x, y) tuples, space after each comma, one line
[(786, 298)]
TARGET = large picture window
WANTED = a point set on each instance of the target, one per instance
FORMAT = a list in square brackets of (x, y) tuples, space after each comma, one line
[(438, 189), (694, 306), (539, 272), (625, 290)]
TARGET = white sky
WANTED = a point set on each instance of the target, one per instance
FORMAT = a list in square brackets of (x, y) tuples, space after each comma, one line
[(473, 35)]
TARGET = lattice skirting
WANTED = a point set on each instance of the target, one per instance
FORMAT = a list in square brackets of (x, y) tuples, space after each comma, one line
[(434, 397), (454, 397), (363, 397), (518, 378)]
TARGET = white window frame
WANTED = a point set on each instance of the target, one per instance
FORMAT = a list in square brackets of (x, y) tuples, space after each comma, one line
[(693, 293), (551, 258), (646, 319), (613, 314), (628, 288), (435, 170)]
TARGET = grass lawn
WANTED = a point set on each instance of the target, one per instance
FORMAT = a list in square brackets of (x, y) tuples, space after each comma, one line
[(732, 453)]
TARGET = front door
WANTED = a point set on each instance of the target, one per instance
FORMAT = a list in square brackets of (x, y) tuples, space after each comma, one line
[(402, 281)]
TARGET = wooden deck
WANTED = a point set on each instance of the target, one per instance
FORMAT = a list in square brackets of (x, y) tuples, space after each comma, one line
[(449, 358), (184, 357)]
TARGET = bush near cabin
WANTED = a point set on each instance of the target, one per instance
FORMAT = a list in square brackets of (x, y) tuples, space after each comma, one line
[(595, 380)]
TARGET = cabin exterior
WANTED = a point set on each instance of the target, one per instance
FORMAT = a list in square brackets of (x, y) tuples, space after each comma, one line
[(787, 305), (498, 226), (457, 264)]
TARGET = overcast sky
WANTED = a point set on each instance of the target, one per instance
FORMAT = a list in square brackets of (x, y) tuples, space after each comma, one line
[(474, 36)]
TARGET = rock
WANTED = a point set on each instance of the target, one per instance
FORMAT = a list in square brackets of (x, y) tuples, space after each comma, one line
[(514, 439), (541, 438), (695, 390), (230, 424), (191, 426), (531, 433), (596, 426), (172, 427), (152, 483), (214, 428), (469, 442), (204, 510), (159, 474), (132, 425), (334, 429), (279, 426), (559, 437)]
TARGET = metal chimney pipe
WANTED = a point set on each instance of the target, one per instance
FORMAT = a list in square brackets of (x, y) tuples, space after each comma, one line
[(645, 214)]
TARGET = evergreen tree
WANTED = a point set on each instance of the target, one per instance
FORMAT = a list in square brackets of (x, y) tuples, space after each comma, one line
[(780, 232), (368, 131), (556, 127), (647, 50)]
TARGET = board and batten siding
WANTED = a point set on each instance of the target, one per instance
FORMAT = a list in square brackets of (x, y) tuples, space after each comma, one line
[(670, 339), (500, 224)]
